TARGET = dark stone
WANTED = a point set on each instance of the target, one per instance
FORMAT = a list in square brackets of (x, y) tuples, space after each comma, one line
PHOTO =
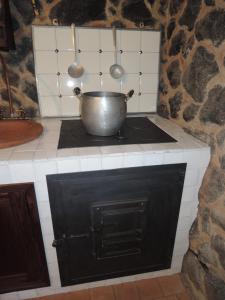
[(217, 185), (29, 89), (163, 87), (78, 12), (163, 110), (214, 108), (215, 287), (117, 24), (25, 9), (210, 2), (115, 2), (205, 217), (202, 68), (175, 5), (49, 1), (188, 46), (112, 11), (193, 269), (177, 43), (212, 27), (190, 14), (163, 7), (14, 78), (218, 218), (224, 61), (163, 35), (15, 24), (15, 100), (137, 12), (190, 112), (202, 136), (170, 28), (174, 74), (206, 255), (194, 231), (175, 104), (151, 1), (22, 50), (30, 65), (220, 138), (222, 162), (31, 112)]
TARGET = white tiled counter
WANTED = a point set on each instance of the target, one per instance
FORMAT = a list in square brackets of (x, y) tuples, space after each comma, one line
[(31, 162)]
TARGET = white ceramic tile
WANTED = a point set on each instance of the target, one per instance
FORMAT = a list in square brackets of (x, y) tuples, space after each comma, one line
[(130, 62), (133, 104), (64, 38), (132, 160), (10, 296), (44, 38), (70, 106), (106, 60), (149, 62), (150, 41), (41, 191), (90, 164), (44, 168), (68, 165), (148, 102), (112, 162), (90, 62), (44, 210), (149, 83), (21, 172), (5, 176), (91, 83), (88, 39), (50, 106), (173, 158), (151, 159), (67, 84), (130, 40), (106, 39), (20, 157), (65, 59), (110, 84), (48, 84), (27, 294), (130, 82), (45, 62)]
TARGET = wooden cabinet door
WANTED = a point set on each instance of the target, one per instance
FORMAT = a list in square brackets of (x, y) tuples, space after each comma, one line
[(22, 258)]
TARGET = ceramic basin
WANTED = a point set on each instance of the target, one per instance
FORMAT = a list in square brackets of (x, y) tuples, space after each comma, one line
[(17, 132)]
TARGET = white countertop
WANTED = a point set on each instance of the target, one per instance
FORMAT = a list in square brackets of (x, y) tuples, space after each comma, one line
[(45, 147)]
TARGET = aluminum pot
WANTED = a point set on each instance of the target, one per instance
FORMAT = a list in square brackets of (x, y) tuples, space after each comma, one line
[(103, 113)]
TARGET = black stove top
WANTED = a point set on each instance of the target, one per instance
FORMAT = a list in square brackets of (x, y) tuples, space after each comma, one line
[(135, 130)]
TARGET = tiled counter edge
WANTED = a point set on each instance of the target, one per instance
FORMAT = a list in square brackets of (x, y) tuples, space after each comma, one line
[(33, 161)]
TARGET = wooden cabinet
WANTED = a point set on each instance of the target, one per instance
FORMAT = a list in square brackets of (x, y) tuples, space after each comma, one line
[(6, 31), (22, 258)]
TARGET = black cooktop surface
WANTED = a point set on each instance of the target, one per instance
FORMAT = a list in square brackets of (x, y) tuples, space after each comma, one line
[(135, 130)]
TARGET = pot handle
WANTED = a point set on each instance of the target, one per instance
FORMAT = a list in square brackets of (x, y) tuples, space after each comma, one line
[(77, 92), (129, 95)]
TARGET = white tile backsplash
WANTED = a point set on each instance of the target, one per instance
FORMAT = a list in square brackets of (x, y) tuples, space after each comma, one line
[(54, 52)]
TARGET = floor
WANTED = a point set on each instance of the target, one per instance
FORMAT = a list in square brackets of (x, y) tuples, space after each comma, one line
[(162, 288)]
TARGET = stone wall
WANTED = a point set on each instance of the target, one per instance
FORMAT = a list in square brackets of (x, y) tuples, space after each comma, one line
[(192, 94)]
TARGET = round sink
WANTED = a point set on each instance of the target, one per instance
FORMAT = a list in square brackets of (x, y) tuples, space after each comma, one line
[(17, 132)]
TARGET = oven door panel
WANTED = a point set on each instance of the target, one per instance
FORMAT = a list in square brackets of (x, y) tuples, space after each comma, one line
[(116, 222)]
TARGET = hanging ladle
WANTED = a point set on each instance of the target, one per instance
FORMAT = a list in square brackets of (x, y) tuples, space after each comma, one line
[(75, 70), (116, 70)]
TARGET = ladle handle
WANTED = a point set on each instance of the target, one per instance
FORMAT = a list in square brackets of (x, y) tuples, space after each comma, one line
[(115, 44), (74, 40)]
